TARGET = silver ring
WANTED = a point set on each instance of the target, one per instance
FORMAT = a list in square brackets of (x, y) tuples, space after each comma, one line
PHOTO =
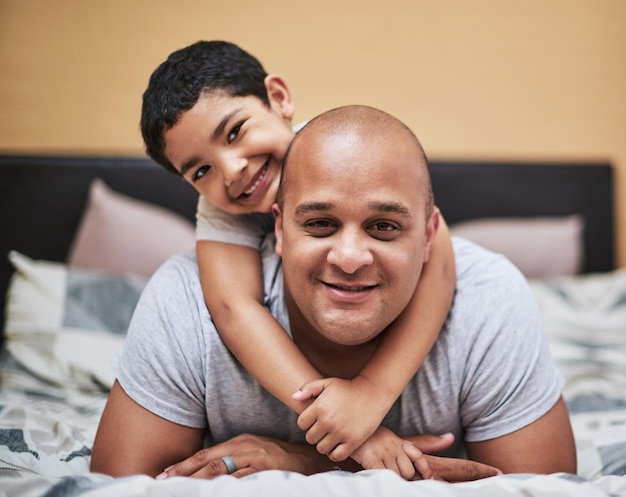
[(230, 464)]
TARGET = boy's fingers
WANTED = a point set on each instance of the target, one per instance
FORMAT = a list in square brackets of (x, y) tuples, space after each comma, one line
[(306, 420), (341, 452), (406, 468), (313, 388), (315, 435), (419, 462), (302, 395)]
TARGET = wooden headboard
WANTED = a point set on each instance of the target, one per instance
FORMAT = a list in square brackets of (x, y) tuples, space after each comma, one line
[(42, 198)]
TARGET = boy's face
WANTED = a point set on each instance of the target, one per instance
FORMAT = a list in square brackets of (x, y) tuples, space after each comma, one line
[(231, 149)]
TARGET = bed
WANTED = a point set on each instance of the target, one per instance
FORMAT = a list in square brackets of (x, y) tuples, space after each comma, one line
[(79, 236)]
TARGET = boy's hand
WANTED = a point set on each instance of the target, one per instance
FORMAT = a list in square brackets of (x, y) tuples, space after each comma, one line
[(343, 416), (385, 450)]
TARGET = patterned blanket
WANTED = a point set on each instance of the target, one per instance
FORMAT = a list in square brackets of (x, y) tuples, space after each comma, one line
[(47, 428)]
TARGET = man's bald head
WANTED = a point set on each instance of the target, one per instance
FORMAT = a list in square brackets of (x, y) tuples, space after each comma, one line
[(360, 127)]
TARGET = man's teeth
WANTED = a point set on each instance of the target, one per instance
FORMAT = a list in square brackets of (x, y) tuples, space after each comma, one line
[(352, 288)]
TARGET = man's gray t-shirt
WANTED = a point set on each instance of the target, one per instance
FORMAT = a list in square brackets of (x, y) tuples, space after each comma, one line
[(488, 374)]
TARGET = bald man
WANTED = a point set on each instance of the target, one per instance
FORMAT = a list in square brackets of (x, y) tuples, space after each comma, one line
[(354, 225)]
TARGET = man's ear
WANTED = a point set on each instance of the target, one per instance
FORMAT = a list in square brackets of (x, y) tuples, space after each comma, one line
[(279, 96), (432, 227), (278, 229)]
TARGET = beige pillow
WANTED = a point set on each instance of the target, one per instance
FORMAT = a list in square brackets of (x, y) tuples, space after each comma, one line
[(122, 234), (540, 247)]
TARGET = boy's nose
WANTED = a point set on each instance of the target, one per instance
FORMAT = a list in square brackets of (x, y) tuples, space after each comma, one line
[(233, 168)]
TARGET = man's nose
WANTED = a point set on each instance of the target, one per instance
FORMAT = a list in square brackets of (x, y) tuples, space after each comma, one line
[(233, 168), (350, 251)]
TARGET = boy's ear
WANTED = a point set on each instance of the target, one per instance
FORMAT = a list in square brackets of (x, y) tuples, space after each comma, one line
[(432, 228), (279, 96)]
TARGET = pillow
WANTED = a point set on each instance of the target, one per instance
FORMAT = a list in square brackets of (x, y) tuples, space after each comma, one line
[(122, 234), (540, 247), (65, 324)]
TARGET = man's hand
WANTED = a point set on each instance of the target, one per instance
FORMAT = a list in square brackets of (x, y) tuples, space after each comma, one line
[(457, 470), (250, 454), (329, 420), (448, 468)]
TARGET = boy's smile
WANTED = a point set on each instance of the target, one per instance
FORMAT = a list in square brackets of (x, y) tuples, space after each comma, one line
[(256, 185), (231, 149)]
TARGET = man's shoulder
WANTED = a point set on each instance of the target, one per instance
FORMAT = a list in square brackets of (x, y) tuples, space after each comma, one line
[(474, 262), (182, 266), (489, 288)]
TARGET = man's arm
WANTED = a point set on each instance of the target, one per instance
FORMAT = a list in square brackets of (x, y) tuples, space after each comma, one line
[(545, 446), (132, 440)]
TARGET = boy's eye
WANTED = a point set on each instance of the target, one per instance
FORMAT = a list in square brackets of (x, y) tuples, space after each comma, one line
[(233, 133), (200, 172)]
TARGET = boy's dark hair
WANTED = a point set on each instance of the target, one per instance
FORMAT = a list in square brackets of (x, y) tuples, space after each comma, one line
[(177, 84)]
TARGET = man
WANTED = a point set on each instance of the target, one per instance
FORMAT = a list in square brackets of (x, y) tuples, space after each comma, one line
[(354, 226)]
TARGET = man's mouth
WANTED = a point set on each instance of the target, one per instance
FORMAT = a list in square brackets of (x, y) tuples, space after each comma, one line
[(350, 294), (256, 181), (351, 288)]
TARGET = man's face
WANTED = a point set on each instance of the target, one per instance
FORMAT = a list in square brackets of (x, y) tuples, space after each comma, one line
[(231, 149), (353, 233)]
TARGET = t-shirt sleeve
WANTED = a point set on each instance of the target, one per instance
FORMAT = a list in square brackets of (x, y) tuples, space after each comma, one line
[(246, 229), (510, 379), (161, 364)]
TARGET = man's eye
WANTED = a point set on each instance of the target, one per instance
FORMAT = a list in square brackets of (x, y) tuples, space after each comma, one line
[(384, 230), (200, 172), (233, 133), (320, 227), (383, 226)]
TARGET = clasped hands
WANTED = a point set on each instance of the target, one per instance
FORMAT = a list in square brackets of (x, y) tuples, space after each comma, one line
[(330, 427)]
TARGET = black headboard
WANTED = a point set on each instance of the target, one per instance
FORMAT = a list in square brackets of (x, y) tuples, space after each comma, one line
[(471, 190), (42, 198)]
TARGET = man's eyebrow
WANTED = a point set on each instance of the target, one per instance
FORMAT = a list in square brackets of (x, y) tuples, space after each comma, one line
[(391, 207), (307, 207)]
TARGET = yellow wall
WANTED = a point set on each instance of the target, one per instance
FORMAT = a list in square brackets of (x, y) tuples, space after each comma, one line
[(479, 79)]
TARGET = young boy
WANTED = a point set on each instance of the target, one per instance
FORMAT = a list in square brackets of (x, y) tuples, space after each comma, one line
[(213, 115)]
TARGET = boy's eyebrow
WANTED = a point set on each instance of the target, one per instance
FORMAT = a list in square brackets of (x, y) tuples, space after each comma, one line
[(188, 165), (217, 132), (222, 124), (393, 207)]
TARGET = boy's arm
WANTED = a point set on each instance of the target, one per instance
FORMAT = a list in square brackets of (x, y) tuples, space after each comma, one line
[(232, 283), (369, 396)]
